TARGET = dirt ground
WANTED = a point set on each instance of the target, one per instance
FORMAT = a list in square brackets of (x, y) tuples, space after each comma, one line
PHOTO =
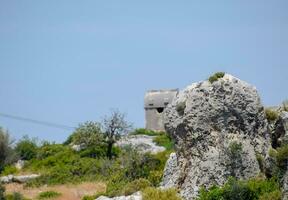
[(68, 192)]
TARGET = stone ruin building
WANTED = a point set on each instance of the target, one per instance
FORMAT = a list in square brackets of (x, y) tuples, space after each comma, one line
[(155, 102)]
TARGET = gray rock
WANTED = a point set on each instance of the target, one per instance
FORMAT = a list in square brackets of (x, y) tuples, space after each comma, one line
[(18, 179), (171, 172), (280, 130), (25, 178), (6, 179), (142, 143), (20, 164), (135, 196), (218, 129)]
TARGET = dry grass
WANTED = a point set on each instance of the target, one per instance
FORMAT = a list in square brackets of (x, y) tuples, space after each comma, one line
[(71, 192)]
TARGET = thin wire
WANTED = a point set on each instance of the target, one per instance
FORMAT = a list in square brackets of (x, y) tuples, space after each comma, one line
[(50, 124)]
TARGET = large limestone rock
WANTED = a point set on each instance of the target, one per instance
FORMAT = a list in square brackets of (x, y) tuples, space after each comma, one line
[(171, 172), (219, 130)]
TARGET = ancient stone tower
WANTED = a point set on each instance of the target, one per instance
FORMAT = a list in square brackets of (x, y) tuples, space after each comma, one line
[(155, 102)]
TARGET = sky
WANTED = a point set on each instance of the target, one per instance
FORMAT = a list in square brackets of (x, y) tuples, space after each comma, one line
[(68, 62)]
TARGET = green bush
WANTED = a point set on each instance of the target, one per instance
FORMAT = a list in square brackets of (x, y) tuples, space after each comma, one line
[(49, 195), (275, 195), (48, 149), (2, 191), (216, 76), (88, 134), (135, 186), (242, 190), (180, 108), (26, 148), (99, 151), (157, 194), (271, 115), (280, 156), (15, 196), (261, 161), (7, 154), (10, 169), (164, 140)]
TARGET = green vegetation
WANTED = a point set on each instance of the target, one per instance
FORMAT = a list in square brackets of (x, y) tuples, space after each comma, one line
[(136, 185), (143, 131), (280, 156), (2, 190), (180, 108), (216, 76), (87, 135), (9, 169), (260, 160), (7, 154), (15, 196), (163, 139), (26, 148), (243, 190), (48, 195), (271, 115), (157, 194)]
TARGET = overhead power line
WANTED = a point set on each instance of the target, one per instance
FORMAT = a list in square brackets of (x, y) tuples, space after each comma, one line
[(34, 121)]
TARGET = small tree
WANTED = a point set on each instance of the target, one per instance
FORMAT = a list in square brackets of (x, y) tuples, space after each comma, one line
[(87, 134), (7, 154), (27, 148), (114, 126)]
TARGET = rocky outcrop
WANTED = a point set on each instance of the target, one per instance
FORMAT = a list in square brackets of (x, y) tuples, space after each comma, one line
[(279, 130), (135, 196), (142, 143), (18, 179), (220, 130)]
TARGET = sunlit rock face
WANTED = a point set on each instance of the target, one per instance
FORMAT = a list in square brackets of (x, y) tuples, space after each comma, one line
[(219, 130)]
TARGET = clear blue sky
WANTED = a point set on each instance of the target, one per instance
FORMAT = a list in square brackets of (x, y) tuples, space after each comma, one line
[(68, 61)]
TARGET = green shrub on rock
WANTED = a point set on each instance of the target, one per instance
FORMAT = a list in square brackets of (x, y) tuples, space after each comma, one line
[(216, 76), (271, 115)]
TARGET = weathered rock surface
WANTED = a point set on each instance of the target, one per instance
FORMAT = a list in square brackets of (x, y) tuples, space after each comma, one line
[(18, 179), (171, 172), (219, 128), (142, 143), (135, 196), (280, 130)]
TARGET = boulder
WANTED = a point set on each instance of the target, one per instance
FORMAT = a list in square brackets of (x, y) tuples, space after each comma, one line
[(6, 179), (135, 196), (220, 130), (18, 179), (142, 143)]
